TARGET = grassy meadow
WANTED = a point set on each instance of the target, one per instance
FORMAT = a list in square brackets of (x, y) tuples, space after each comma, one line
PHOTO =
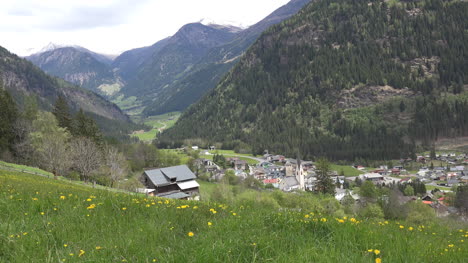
[(47, 220), (162, 122)]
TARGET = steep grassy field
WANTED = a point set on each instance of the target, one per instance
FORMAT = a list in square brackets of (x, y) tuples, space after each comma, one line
[(46, 220)]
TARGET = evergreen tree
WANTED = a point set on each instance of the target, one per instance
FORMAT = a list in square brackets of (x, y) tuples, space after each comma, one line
[(62, 113), (8, 117), (85, 126), (324, 184)]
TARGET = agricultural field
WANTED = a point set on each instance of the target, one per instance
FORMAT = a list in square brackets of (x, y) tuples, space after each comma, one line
[(347, 169), (46, 220)]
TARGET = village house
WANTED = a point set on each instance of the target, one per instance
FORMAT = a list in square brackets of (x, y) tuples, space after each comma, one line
[(373, 177), (176, 182)]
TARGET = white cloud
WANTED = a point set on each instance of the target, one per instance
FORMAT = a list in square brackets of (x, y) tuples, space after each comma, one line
[(112, 26)]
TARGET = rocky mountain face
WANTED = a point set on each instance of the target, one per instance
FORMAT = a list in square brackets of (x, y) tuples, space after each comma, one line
[(22, 79), (78, 66)]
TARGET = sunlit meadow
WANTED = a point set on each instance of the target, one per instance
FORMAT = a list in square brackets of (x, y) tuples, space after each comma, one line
[(46, 220)]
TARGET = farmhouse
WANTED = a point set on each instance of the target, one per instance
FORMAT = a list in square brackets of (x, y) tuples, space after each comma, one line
[(176, 182)]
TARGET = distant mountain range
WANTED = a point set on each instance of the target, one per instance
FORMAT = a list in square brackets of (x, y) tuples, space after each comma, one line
[(168, 76), (22, 78)]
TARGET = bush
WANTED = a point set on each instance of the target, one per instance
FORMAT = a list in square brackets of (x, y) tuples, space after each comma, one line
[(419, 213), (371, 211)]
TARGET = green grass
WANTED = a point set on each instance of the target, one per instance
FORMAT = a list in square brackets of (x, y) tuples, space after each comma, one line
[(432, 187), (231, 152), (164, 121), (25, 168), (46, 220), (347, 169)]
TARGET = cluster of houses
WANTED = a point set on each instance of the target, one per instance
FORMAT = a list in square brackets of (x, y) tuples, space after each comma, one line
[(288, 175)]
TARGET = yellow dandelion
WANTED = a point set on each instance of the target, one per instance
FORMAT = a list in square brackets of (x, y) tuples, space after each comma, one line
[(154, 260), (402, 226), (89, 199), (190, 234), (124, 208), (82, 252), (378, 260), (370, 250), (65, 245), (323, 219), (148, 205), (451, 245), (210, 224), (376, 251), (42, 213), (62, 197), (71, 254), (92, 206), (98, 248), (410, 228), (234, 214)]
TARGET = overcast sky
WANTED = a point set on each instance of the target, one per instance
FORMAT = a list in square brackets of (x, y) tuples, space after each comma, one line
[(113, 26)]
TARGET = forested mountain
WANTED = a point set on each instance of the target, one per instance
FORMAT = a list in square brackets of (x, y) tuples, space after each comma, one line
[(343, 79), (178, 55), (78, 66), (22, 79), (206, 73)]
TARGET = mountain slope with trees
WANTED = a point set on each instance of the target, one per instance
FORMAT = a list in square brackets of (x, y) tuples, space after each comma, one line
[(369, 79), (207, 72)]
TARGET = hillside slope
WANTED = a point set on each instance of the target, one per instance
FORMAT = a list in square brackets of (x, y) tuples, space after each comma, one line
[(368, 80), (178, 55), (78, 66), (22, 78), (207, 72), (57, 221)]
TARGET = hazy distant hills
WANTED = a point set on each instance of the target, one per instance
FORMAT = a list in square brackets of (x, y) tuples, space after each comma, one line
[(22, 79), (168, 76), (364, 80), (206, 73)]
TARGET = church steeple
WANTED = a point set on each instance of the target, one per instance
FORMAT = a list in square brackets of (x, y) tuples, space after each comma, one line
[(300, 174)]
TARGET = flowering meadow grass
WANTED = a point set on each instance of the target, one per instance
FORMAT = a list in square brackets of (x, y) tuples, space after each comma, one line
[(46, 220)]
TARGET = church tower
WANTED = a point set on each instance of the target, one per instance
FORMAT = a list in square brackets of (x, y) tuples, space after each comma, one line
[(300, 175)]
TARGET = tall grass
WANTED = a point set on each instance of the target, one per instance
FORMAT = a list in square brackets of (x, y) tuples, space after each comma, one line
[(46, 220)]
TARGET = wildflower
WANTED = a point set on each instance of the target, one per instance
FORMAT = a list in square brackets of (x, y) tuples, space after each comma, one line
[(376, 252), (410, 228), (353, 220), (234, 214), (82, 252), (65, 245), (190, 234), (210, 224), (154, 260), (25, 233), (98, 248), (89, 199), (35, 199), (71, 254), (92, 206), (254, 244), (195, 207), (402, 226), (378, 260), (42, 213), (370, 250), (62, 197), (451, 245), (124, 208), (148, 205), (323, 219), (340, 221), (307, 216)]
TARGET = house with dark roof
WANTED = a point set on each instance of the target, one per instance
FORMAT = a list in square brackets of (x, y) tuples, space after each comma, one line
[(176, 182)]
